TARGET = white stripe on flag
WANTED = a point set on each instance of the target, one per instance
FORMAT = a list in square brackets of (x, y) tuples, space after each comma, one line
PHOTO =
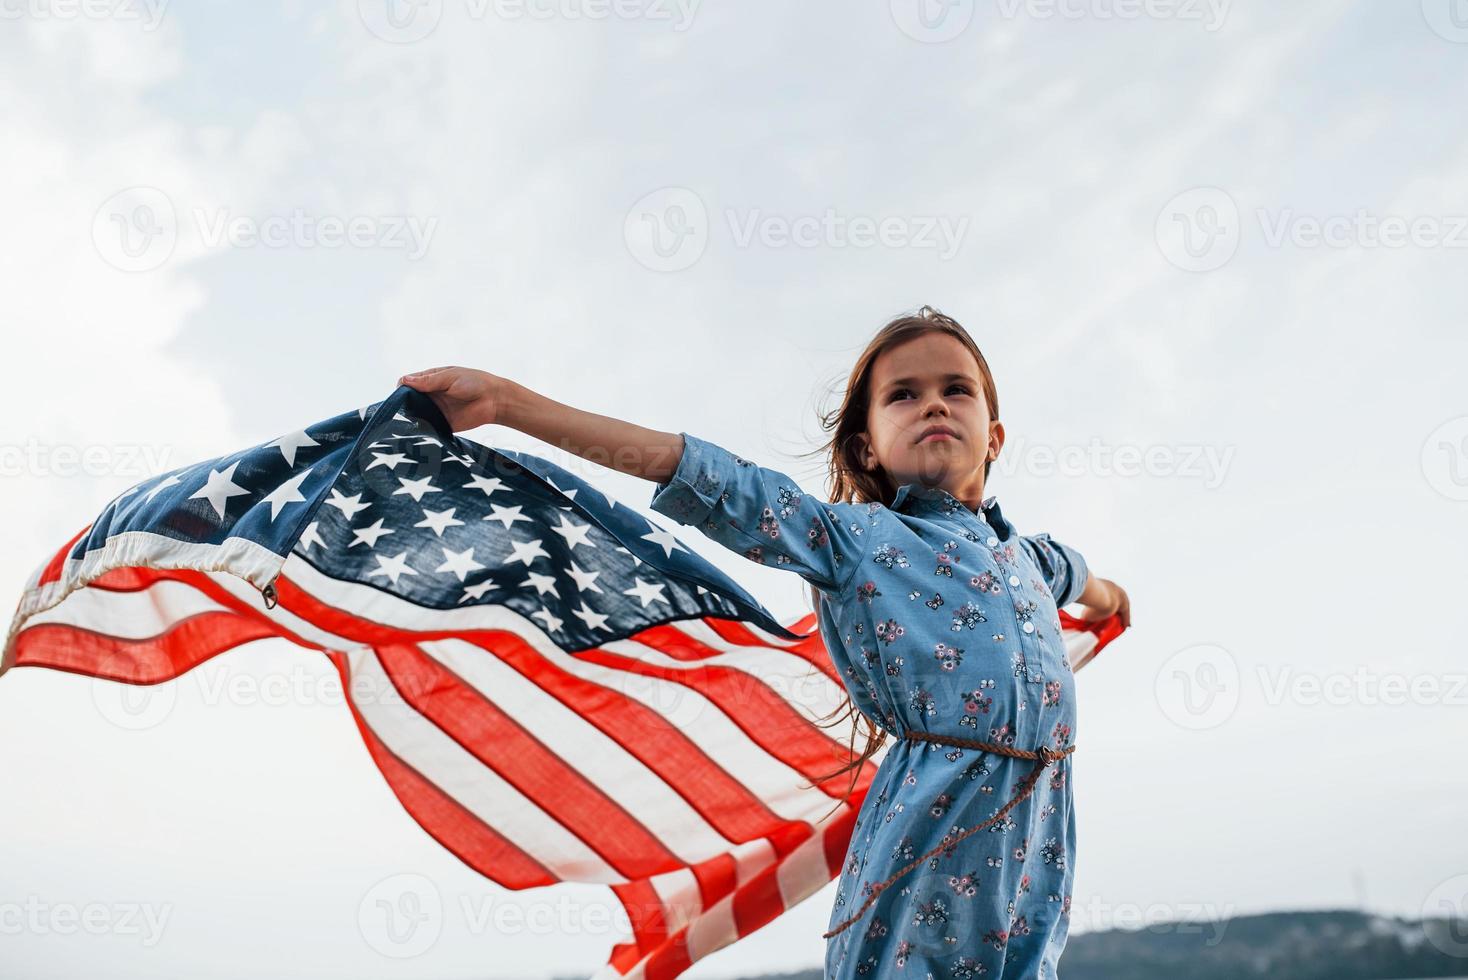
[(129, 615)]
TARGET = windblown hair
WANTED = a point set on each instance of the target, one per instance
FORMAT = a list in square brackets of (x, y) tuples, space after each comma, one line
[(851, 483)]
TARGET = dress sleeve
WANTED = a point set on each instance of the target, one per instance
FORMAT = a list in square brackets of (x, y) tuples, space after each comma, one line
[(1064, 567), (764, 515)]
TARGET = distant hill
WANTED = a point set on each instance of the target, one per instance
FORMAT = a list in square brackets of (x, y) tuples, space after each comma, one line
[(1327, 945)]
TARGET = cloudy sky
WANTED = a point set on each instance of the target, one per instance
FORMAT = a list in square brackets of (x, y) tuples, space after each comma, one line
[(1214, 252)]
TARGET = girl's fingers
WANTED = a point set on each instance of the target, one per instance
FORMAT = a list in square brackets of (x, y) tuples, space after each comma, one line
[(418, 378)]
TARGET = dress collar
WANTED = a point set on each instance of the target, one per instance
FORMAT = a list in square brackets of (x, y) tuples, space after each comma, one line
[(918, 496)]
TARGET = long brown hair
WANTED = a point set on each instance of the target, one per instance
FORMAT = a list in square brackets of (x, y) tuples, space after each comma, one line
[(851, 483)]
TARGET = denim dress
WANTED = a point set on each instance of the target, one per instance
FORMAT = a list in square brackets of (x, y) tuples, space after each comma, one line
[(939, 619)]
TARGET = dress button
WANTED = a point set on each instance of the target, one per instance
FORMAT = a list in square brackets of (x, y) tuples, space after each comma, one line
[(1029, 627), (1014, 580), (992, 541)]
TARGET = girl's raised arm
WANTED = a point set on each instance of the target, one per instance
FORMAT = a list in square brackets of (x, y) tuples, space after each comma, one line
[(470, 398), (764, 515), (761, 513)]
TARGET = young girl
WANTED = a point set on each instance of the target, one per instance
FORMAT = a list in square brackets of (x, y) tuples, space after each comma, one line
[(941, 618)]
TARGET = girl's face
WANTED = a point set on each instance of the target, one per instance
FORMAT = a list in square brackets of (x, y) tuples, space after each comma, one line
[(931, 380)]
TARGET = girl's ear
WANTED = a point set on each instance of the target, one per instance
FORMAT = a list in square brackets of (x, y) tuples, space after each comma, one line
[(996, 439), (864, 452)]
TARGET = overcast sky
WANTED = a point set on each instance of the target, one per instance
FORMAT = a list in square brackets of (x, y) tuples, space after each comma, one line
[(1213, 251)]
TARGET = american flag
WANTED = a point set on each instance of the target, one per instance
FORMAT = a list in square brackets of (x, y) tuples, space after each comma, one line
[(554, 686)]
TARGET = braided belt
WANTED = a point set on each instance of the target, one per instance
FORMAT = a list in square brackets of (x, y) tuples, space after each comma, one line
[(1043, 757)]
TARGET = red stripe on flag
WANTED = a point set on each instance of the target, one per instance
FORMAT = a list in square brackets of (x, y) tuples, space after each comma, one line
[(443, 818), (186, 644), (1105, 630)]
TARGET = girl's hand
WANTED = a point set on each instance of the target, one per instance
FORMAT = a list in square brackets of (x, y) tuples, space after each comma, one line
[(1112, 600), (466, 397)]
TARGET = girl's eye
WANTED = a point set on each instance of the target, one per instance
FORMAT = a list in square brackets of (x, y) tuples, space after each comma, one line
[(907, 391)]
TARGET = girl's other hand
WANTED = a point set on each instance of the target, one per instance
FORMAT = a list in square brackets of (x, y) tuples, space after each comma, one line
[(1114, 602), (466, 397)]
